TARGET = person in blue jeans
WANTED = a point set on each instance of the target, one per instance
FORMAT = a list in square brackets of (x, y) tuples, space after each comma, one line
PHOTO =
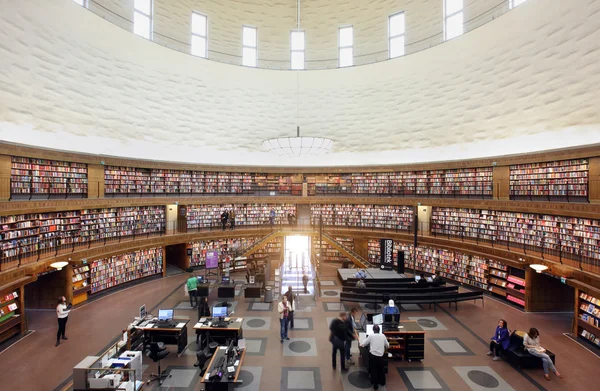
[(500, 340), (284, 309), (531, 342)]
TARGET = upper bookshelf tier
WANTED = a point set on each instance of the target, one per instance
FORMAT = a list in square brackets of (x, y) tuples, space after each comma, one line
[(231, 247), (552, 180), (373, 216), (40, 178), (202, 216)]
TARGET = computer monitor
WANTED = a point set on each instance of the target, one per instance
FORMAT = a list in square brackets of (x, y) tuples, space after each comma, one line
[(225, 280), (142, 312), (200, 279), (219, 312), (391, 318), (378, 319), (417, 278), (165, 314), (230, 353), (429, 279)]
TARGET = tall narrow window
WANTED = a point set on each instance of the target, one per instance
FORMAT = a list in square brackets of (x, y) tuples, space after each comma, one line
[(396, 28), (298, 45), (142, 18), (515, 3), (83, 3), (453, 18), (249, 46), (199, 28), (346, 46)]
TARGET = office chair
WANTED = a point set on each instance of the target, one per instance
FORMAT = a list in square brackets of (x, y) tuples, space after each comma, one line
[(157, 351), (203, 356)]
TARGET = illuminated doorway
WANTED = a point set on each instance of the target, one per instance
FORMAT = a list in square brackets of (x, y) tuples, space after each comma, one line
[(297, 252)]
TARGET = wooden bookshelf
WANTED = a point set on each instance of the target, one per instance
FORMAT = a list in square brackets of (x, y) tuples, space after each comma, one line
[(11, 313), (227, 247), (373, 216), (588, 318), (374, 251), (272, 249), (515, 286), (550, 180), (81, 284), (498, 274), (100, 224), (109, 272), (205, 216), (32, 178)]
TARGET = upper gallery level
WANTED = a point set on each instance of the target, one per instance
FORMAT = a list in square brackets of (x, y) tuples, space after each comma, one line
[(74, 81)]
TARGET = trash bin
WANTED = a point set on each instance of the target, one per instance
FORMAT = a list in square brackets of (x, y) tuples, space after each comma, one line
[(268, 294)]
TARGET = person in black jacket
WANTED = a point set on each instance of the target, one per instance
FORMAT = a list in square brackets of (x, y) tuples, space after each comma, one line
[(422, 281), (224, 219), (438, 280), (338, 337)]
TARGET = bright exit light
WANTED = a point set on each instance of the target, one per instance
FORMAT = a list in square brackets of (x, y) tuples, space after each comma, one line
[(297, 250)]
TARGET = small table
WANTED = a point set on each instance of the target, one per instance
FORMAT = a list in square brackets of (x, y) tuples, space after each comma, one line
[(168, 335), (204, 329), (225, 384)]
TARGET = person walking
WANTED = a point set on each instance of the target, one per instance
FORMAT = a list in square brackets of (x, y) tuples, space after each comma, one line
[(224, 218), (62, 313), (338, 336), (377, 344), (232, 220), (531, 342), (351, 324), (284, 309), (192, 288), (305, 282), (289, 295), (272, 217)]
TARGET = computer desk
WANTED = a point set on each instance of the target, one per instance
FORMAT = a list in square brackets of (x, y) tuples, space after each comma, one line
[(219, 334), (168, 335), (225, 384), (406, 342)]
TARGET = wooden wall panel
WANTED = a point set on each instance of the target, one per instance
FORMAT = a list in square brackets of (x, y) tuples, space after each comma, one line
[(594, 178), (95, 181), (544, 293), (501, 181), (176, 255), (44, 292), (5, 167)]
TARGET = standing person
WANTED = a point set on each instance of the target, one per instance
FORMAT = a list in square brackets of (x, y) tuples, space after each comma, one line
[(62, 313), (338, 337), (203, 308), (351, 324), (305, 282), (531, 342), (272, 217), (377, 344), (290, 299), (192, 288), (290, 218), (284, 309), (232, 219), (224, 218), (500, 340)]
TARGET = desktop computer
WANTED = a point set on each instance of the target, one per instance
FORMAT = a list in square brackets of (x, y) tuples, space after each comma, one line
[(225, 280), (377, 319), (165, 318)]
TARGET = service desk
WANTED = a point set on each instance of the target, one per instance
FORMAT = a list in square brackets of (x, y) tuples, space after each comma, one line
[(208, 333), (225, 383), (169, 336), (253, 291), (407, 342), (226, 291)]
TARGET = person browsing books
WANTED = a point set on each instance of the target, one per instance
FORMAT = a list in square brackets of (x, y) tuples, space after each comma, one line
[(62, 313), (500, 340), (377, 344), (531, 342), (284, 309)]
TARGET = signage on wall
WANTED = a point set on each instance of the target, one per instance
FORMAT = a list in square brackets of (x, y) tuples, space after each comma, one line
[(386, 247), (189, 252), (212, 259)]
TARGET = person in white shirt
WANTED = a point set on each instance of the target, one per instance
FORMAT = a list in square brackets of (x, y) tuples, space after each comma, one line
[(531, 342), (284, 308), (62, 312), (377, 344)]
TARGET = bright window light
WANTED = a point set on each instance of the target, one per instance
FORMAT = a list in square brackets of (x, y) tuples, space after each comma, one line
[(297, 252), (397, 29), (453, 18), (249, 46), (345, 48), (142, 18), (515, 3), (297, 51), (199, 34)]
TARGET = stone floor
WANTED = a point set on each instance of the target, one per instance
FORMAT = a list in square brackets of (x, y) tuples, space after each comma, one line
[(455, 357)]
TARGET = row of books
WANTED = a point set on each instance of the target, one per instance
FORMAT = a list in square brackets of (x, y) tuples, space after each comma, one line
[(329, 253), (201, 216), (560, 178), (226, 247), (40, 176), (375, 216)]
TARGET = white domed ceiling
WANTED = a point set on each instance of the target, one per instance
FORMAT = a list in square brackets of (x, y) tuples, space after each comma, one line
[(524, 82)]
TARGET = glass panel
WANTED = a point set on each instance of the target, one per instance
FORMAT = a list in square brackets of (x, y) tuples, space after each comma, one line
[(453, 6), (454, 26), (397, 25), (143, 6), (397, 46), (297, 60), (346, 57), (198, 46), (249, 36), (249, 57), (199, 24), (346, 38), (297, 40), (141, 25)]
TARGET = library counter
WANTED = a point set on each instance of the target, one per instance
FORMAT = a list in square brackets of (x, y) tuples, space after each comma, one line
[(168, 335), (229, 379), (407, 341), (206, 330)]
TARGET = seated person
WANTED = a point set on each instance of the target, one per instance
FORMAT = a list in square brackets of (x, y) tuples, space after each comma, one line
[(422, 281), (438, 280), (361, 284), (390, 308), (361, 274)]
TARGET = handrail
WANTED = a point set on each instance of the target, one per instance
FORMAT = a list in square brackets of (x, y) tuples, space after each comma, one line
[(356, 259)]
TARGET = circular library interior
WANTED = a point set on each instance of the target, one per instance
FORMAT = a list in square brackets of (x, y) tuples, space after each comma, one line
[(218, 195)]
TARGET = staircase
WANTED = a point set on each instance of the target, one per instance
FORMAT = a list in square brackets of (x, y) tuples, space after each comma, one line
[(259, 244), (353, 256)]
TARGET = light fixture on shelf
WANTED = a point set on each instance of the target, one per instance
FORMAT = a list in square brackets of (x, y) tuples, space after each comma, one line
[(59, 265), (538, 268), (299, 145)]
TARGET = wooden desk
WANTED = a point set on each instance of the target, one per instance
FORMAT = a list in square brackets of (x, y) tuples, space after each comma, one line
[(219, 334), (168, 336), (406, 343), (225, 384)]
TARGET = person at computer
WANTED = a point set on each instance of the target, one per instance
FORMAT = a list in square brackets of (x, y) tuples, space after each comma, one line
[(437, 280), (192, 289), (377, 344), (339, 334), (284, 309), (62, 313), (390, 309), (422, 281), (289, 295), (360, 283)]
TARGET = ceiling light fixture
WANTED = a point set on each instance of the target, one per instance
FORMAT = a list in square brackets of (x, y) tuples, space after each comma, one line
[(538, 268), (59, 265), (299, 145)]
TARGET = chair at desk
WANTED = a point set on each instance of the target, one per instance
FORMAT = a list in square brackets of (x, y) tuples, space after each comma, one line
[(157, 351), (203, 356)]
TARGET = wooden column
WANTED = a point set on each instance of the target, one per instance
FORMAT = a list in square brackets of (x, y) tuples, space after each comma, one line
[(95, 181), (361, 246), (181, 218), (22, 307), (594, 180), (5, 167), (69, 283), (164, 258), (501, 183), (575, 312)]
